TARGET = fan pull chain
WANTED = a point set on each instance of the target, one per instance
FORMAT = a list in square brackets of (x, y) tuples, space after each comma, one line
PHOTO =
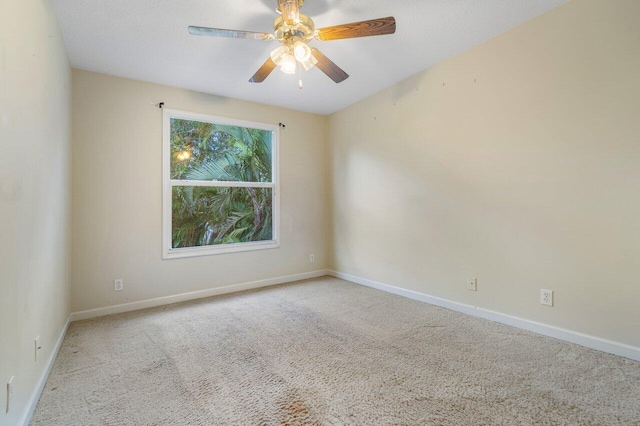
[(299, 75)]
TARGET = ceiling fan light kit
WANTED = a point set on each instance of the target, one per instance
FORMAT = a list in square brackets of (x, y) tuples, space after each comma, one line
[(294, 31)]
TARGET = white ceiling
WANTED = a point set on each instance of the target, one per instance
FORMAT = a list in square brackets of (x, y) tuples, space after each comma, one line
[(148, 40)]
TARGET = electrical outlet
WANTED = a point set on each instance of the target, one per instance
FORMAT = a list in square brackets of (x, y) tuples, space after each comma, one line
[(312, 258), (118, 285), (9, 393), (472, 284), (37, 348), (546, 297)]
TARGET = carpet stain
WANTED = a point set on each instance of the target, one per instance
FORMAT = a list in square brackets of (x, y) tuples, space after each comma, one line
[(297, 413)]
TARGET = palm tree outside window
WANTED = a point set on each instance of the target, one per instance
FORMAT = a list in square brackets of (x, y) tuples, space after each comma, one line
[(220, 185)]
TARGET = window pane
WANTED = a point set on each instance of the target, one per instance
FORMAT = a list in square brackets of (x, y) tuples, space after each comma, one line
[(204, 216), (208, 151)]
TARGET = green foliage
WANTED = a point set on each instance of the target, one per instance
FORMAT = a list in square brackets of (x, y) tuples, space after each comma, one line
[(220, 215)]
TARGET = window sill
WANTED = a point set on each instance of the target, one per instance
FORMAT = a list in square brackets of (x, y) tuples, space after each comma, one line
[(182, 253)]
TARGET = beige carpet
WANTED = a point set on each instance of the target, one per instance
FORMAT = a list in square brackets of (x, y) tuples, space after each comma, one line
[(327, 352)]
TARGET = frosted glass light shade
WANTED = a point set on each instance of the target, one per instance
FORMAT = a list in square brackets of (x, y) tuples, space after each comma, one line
[(288, 64), (308, 64), (277, 55), (301, 51)]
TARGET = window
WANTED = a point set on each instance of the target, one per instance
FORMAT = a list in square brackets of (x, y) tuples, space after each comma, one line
[(220, 188)]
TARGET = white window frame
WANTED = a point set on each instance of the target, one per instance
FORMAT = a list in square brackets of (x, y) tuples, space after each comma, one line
[(167, 184)]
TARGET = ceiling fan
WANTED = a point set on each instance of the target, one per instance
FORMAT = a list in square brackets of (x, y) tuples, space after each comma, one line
[(294, 31)]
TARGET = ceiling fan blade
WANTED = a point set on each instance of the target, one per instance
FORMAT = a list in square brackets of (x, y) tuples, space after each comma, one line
[(219, 32), (327, 66), (263, 72), (372, 27)]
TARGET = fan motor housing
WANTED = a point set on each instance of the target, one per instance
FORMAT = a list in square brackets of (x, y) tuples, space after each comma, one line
[(304, 29)]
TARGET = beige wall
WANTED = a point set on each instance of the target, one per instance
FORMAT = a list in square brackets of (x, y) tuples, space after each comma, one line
[(517, 162), (35, 131), (117, 194), (522, 170)]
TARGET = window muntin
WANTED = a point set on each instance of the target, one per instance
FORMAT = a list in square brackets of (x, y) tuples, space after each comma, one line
[(220, 185)]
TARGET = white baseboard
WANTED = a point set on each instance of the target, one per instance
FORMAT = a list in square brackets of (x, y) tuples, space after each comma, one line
[(37, 390), (167, 300), (582, 339)]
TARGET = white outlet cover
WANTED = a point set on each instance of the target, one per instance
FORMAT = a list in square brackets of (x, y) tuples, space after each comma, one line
[(9, 393), (118, 285), (36, 348), (473, 284), (546, 297), (312, 258)]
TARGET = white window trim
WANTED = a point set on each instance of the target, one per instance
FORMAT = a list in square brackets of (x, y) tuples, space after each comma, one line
[(170, 253)]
